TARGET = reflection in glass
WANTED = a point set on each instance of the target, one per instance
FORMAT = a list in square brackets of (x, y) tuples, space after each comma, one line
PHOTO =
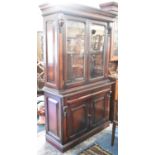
[(75, 50), (96, 50)]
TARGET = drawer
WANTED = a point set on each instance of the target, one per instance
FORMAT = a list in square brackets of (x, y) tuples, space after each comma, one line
[(76, 97), (85, 96)]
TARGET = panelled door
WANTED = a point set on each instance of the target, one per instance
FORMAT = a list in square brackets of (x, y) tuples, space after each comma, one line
[(78, 118), (99, 109)]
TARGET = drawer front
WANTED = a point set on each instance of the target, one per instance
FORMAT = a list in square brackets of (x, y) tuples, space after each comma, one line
[(86, 95)]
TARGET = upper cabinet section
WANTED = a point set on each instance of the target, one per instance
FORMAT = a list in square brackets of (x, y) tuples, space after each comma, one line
[(112, 7), (76, 45)]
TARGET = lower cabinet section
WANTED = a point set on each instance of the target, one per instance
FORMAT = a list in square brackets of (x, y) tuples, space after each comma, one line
[(71, 119)]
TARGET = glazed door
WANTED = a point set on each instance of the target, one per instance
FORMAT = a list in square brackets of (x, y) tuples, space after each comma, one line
[(100, 109), (75, 58), (78, 118), (97, 51)]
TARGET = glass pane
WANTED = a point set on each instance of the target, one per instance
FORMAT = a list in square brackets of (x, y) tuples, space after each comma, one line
[(97, 50), (75, 50)]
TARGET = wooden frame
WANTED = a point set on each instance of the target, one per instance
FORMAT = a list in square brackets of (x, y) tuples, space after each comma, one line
[(114, 42)]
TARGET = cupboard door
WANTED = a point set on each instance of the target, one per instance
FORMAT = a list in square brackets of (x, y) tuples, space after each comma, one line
[(100, 109), (75, 51), (78, 122), (97, 50)]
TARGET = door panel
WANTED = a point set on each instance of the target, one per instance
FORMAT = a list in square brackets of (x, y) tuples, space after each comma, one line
[(51, 53), (52, 117), (107, 107), (78, 118), (98, 109)]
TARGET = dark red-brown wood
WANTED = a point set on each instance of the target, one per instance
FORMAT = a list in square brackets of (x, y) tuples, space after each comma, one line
[(74, 110)]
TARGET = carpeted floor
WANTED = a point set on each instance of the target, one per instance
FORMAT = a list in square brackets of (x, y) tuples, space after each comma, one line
[(102, 138), (95, 149), (40, 128)]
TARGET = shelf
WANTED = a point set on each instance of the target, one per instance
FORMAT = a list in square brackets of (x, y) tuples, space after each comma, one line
[(97, 68), (78, 66), (69, 38), (76, 53), (96, 52)]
